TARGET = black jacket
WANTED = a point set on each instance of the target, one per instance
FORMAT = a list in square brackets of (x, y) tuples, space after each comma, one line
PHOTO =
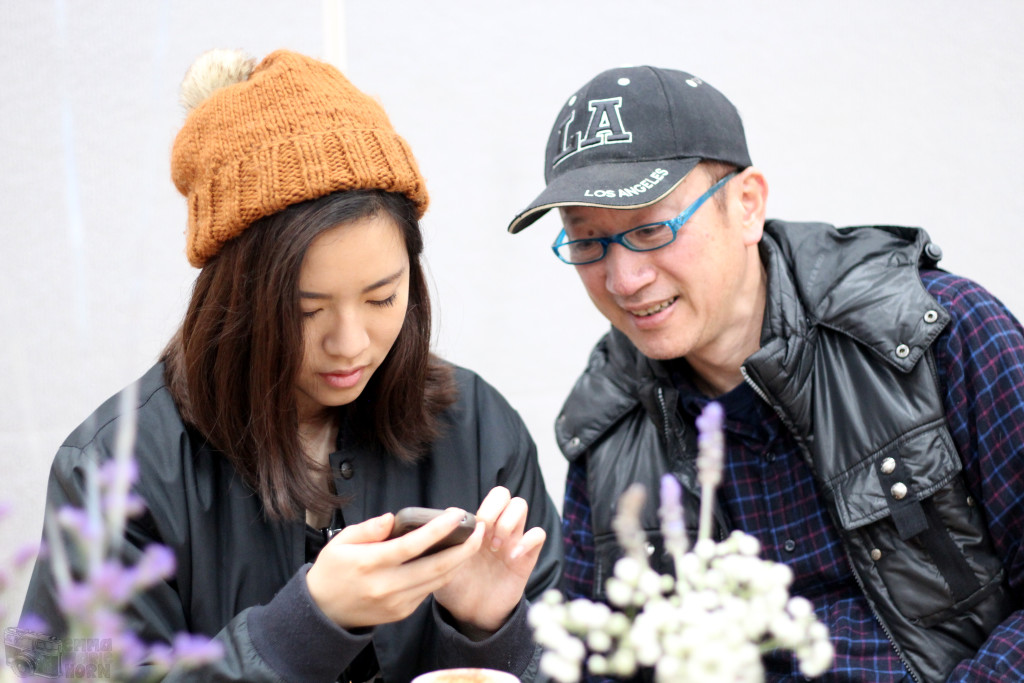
[(845, 362), (241, 578)]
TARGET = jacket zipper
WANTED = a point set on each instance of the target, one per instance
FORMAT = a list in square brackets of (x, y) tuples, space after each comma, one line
[(778, 411), (664, 415), (846, 550)]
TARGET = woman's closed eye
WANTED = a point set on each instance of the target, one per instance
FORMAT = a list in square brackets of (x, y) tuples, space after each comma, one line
[(385, 303)]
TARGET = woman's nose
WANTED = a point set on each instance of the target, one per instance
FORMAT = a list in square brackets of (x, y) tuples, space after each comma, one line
[(347, 338)]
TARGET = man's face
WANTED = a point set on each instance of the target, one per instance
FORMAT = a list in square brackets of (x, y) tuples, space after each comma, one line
[(690, 298)]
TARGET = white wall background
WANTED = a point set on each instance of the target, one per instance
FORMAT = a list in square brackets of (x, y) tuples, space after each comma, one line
[(877, 111)]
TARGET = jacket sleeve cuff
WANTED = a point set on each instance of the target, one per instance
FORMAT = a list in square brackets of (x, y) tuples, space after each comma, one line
[(510, 648), (296, 639)]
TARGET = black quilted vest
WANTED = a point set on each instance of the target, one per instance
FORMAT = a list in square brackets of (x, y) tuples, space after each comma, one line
[(845, 362)]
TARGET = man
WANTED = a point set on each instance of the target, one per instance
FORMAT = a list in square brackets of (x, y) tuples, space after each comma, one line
[(874, 404)]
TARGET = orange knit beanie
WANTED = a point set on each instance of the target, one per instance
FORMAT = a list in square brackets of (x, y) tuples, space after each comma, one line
[(261, 137)]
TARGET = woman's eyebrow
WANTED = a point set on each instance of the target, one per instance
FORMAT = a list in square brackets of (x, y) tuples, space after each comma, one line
[(384, 280), (369, 288)]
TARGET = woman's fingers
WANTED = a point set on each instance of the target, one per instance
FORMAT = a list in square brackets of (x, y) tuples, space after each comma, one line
[(370, 531), (508, 527), (493, 505), (529, 545)]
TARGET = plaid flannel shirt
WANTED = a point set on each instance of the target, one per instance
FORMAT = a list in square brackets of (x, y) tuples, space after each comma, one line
[(768, 491)]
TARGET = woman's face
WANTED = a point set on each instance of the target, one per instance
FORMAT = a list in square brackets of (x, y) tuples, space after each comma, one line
[(354, 292)]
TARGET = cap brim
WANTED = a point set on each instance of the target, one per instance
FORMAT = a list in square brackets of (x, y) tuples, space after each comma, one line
[(618, 185)]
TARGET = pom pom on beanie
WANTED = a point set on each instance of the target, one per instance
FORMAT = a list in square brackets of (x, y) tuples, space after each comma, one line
[(259, 138), (214, 70)]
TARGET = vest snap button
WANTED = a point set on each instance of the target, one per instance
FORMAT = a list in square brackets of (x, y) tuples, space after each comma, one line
[(930, 316), (876, 554), (650, 549), (574, 441), (902, 351), (347, 470), (970, 501), (888, 466), (899, 490)]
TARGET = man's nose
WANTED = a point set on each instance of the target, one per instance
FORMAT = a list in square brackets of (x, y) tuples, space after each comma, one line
[(627, 271)]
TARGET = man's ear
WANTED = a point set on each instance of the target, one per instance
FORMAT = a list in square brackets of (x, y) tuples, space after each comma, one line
[(751, 198)]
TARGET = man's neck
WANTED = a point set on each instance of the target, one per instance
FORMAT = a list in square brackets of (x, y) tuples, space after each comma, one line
[(716, 369)]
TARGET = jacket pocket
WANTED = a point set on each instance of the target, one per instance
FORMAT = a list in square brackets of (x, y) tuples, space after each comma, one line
[(918, 529), (945, 569)]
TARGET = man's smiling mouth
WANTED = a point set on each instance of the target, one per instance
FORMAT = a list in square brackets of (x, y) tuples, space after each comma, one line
[(655, 308)]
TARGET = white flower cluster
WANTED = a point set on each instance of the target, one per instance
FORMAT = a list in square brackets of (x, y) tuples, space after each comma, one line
[(712, 624), (709, 625)]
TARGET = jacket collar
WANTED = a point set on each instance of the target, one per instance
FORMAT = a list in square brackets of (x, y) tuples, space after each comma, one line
[(607, 390), (843, 279)]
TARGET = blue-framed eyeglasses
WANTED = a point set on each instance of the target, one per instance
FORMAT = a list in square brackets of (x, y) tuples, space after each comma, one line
[(647, 237)]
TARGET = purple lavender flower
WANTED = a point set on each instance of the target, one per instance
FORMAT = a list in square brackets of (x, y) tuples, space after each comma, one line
[(194, 650), (118, 473), (133, 505), (160, 655), (671, 513), (75, 598), (157, 563), (626, 523), (85, 547), (25, 555), (131, 651), (710, 461), (32, 622), (711, 444), (81, 524), (113, 582)]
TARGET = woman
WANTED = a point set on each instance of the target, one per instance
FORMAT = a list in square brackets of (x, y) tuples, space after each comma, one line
[(299, 406)]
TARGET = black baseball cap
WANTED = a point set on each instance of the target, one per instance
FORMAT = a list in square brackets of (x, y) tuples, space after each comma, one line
[(630, 135)]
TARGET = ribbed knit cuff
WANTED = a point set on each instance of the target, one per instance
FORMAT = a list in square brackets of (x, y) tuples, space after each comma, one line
[(296, 639), (510, 648)]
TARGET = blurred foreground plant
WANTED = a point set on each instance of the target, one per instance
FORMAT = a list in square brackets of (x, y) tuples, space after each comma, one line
[(83, 546), (10, 568), (710, 624)]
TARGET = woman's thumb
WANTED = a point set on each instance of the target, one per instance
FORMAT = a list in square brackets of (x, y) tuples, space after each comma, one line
[(371, 531)]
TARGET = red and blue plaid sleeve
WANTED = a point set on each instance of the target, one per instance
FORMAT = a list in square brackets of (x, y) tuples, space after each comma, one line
[(578, 541), (577, 534), (980, 360)]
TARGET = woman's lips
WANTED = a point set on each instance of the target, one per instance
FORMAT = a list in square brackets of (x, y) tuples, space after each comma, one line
[(343, 379)]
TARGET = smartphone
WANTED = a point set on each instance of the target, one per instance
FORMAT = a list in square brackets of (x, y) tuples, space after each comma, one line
[(411, 518)]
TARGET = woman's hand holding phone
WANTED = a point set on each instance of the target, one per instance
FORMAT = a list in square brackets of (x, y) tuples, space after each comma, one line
[(363, 578)]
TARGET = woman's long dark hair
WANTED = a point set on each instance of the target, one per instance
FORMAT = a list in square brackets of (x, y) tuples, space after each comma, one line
[(232, 366)]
